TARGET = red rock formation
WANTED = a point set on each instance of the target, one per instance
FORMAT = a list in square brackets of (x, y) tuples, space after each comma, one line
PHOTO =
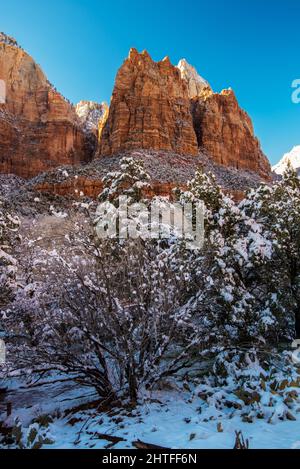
[(225, 131), (39, 129), (149, 109), (87, 187), (72, 187), (155, 106)]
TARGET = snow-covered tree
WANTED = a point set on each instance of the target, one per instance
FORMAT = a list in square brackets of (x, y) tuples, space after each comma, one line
[(117, 324), (130, 181), (123, 190), (9, 226), (277, 208), (234, 294)]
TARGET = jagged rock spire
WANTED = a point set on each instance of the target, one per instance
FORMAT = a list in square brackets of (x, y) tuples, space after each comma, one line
[(150, 109)]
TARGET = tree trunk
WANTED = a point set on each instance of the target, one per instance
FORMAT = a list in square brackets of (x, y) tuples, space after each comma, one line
[(132, 385), (297, 321)]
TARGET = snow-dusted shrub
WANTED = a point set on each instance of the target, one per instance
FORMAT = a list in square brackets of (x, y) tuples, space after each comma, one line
[(9, 225), (109, 315), (253, 383), (237, 298), (277, 209)]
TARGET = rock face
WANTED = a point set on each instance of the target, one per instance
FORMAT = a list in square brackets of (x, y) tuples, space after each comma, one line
[(39, 129), (292, 158), (226, 133), (161, 107), (223, 129), (150, 109), (155, 106)]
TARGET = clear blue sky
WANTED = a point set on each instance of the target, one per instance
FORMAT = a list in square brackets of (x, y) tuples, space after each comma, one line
[(251, 45)]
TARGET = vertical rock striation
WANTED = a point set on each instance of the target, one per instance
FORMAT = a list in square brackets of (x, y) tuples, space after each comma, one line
[(161, 107), (150, 109), (226, 133)]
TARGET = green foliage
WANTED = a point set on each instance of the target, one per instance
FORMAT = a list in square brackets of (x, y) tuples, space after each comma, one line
[(35, 437), (253, 383), (249, 290)]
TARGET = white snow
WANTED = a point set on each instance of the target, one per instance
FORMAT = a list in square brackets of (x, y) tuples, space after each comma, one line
[(168, 418), (56, 214), (293, 157)]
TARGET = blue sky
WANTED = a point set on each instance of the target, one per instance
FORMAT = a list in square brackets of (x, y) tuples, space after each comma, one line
[(251, 45)]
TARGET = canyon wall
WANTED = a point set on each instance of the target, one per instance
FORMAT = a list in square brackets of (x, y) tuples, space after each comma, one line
[(154, 106), (226, 133), (39, 128)]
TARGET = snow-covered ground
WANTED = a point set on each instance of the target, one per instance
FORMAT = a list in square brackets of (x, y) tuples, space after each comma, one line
[(175, 423), (173, 418)]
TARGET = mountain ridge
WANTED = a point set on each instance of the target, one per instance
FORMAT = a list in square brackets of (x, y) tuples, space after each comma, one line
[(292, 157), (155, 106)]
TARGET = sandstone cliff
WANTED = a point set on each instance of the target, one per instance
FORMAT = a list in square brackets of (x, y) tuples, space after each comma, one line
[(161, 107), (150, 109), (39, 129), (155, 106), (225, 131)]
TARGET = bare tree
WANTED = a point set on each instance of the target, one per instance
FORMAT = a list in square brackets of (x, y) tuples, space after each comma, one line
[(109, 315)]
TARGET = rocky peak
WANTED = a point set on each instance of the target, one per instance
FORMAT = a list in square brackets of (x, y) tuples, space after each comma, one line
[(225, 132), (91, 114), (292, 158), (150, 109), (158, 106), (195, 82), (39, 128), (155, 106)]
